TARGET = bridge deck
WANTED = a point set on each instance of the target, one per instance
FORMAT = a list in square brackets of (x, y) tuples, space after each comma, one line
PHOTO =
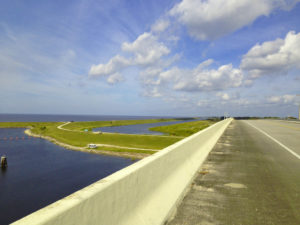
[(248, 178)]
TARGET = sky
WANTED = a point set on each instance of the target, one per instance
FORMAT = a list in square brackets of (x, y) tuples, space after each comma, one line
[(150, 58)]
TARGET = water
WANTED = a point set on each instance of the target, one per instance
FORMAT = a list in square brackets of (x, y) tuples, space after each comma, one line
[(40, 173), (60, 118), (138, 128)]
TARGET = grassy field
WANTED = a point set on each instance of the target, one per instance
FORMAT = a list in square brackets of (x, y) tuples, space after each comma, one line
[(33, 125), (80, 126), (115, 142), (82, 139), (183, 129)]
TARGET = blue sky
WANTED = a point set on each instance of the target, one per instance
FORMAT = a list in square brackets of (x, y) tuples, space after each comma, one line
[(159, 58)]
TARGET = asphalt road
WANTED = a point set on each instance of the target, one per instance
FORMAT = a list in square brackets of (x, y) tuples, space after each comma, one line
[(252, 176)]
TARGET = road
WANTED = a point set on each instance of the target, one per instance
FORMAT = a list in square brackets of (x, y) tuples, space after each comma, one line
[(252, 176)]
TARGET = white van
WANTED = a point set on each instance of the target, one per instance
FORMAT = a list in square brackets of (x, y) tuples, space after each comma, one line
[(92, 146)]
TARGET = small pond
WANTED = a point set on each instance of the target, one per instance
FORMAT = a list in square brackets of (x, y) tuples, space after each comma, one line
[(138, 128)]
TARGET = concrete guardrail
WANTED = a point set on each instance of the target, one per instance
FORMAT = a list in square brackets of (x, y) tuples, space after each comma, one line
[(147, 192)]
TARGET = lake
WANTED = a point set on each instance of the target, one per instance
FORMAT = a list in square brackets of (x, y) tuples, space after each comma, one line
[(40, 173), (138, 128)]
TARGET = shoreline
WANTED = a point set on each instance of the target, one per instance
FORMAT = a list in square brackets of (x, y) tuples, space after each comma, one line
[(84, 149)]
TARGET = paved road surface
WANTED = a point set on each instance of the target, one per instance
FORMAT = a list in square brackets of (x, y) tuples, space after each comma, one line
[(252, 176)]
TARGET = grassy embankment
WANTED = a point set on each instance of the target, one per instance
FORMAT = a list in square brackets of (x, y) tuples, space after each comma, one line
[(80, 126), (116, 142), (113, 142), (183, 129)]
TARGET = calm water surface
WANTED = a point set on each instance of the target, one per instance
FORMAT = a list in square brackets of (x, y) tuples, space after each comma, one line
[(138, 128), (40, 173)]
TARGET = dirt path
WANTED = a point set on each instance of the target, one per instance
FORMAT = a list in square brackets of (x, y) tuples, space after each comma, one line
[(60, 126), (117, 146)]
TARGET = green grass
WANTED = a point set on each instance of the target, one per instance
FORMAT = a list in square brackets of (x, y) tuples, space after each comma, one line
[(183, 129), (80, 126), (28, 124), (82, 139)]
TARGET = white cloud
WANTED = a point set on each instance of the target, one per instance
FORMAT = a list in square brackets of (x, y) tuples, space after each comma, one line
[(152, 92), (223, 96), (203, 79), (273, 57), (274, 99), (114, 65), (203, 102), (198, 79), (9, 33), (145, 51), (288, 98), (284, 99), (223, 99), (242, 102), (210, 19), (205, 19), (158, 76), (160, 25), (115, 78)]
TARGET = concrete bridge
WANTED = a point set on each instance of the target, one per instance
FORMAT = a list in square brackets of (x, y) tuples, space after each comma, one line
[(144, 193), (251, 175)]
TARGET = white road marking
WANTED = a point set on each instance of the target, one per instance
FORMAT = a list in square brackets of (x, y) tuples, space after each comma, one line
[(282, 145)]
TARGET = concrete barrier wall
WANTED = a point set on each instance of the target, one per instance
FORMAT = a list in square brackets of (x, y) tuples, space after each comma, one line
[(142, 194)]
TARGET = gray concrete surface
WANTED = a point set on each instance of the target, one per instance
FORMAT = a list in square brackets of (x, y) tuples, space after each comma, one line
[(248, 178)]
